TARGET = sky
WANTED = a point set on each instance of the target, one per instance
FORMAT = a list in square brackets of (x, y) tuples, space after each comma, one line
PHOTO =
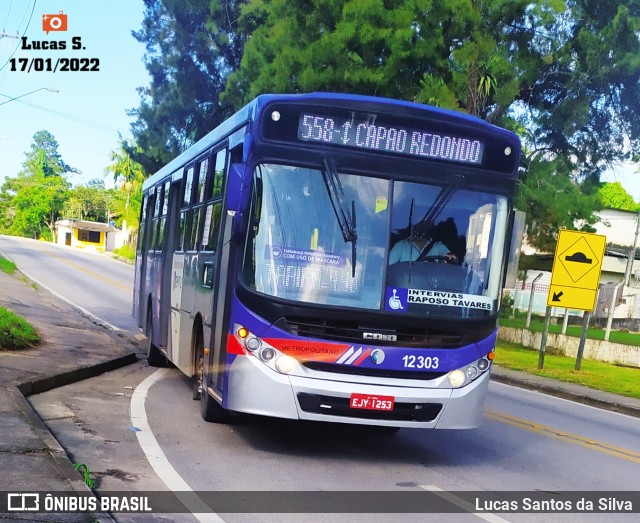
[(90, 107)]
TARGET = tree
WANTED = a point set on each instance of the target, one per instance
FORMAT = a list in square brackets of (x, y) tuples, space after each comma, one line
[(129, 176), (564, 75), (454, 53), (44, 158), (553, 201), (89, 202), (33, 200), (614, 196), (190, 47)]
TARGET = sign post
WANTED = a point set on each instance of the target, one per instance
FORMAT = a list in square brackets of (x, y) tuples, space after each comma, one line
[(575, 276)]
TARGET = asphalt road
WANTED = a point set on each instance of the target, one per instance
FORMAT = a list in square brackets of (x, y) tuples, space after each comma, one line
[(94, 282), (528, 441)]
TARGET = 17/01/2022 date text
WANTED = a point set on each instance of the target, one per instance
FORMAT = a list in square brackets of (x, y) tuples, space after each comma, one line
[(52, 65)]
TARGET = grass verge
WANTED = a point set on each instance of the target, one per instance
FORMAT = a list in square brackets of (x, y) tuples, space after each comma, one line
[(15, 332), (7, 266), (624, 381), (126, 252)]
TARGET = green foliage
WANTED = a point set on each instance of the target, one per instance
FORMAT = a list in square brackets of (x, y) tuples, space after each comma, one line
[(565, 75), (89, 202), (86, 475), (126, 252), (190, 47), (31, 202), (614, 196), (129, 175), (553, 201), (7, 266), (15, 332), (535, 262)]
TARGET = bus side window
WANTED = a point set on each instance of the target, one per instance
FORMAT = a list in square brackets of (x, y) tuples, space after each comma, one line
[(197, 222), (184, 232), (214, 209), (182, 228), (202, 180), (188, 188), (218, 177), (156, 245), (163, 218), (143, 226)]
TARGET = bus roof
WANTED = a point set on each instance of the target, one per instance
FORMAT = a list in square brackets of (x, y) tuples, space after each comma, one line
[(253, 109)]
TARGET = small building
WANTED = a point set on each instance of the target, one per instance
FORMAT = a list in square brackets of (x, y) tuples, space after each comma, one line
[(85, 234)]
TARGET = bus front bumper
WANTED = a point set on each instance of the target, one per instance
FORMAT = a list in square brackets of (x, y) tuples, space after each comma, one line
[(256, 389)]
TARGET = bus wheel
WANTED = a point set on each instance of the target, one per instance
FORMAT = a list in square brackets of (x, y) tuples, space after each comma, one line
[(198, 350), (210, 409), (155, 358)]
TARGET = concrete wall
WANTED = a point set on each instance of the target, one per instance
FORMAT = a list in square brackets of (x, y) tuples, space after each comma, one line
[(608, 352)]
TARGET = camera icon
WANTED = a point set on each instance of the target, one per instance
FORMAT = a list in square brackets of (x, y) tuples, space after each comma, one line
[(23, 502), (54, 22)]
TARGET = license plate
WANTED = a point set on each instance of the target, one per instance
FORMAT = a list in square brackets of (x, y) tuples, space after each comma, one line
[(371, 402)]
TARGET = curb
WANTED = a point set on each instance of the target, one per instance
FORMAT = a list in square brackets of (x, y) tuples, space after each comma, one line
[(57, 452), (66, 378)]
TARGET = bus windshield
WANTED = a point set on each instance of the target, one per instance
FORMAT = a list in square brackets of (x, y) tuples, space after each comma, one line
[(410, 247)]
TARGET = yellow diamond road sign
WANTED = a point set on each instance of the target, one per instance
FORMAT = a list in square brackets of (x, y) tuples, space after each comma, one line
[(576, 270)]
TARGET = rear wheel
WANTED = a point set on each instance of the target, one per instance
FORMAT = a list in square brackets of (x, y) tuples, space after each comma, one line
[(155, 358)]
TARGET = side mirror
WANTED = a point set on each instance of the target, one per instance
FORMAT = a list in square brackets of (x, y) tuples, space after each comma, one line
[(236, 186)]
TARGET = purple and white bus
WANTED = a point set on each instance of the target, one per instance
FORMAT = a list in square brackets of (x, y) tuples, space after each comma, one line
[(331, 257)]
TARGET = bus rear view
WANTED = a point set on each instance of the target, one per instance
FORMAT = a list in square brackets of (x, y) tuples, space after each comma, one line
[(359, 264)]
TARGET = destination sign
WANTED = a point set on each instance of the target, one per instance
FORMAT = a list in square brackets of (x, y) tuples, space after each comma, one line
[(367, 134)]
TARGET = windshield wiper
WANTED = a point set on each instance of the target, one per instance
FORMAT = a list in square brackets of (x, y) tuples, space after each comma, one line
[(346, 218), (441, 201)]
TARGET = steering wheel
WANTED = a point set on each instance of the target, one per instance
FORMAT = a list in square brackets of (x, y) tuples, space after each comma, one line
[(446, 258), (436, 259)]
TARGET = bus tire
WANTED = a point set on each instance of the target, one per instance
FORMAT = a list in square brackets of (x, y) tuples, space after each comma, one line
[(155, 358), (210, 409), (197, 348)]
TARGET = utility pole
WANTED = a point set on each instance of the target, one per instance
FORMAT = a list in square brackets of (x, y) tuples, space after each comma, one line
[(632, 253)]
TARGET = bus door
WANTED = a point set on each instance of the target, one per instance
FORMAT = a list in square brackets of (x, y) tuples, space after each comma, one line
[(225, 251), (191, 299), (171, 230), (144, 242)]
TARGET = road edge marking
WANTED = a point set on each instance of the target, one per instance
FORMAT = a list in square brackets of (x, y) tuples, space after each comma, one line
[(157, 458), (463, 504)]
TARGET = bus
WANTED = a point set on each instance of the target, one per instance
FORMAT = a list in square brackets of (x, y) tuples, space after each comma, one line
[(331, 257)]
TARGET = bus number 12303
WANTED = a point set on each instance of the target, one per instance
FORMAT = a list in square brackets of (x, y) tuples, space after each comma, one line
[(420, 362)]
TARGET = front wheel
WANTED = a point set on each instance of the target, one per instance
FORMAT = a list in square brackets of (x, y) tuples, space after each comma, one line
[(210, 409)]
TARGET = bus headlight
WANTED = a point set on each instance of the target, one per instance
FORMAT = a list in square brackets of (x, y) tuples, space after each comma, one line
[(253, 343), (285, 364), (263, 351), (472, 372), (267, 354), (483, 364), (456, 378)]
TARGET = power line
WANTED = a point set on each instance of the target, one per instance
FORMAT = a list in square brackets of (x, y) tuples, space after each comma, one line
[(87, 123), (24, 33)]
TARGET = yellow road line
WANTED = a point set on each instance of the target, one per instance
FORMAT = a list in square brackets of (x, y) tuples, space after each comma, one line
[(90, 273), (567, 437)]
